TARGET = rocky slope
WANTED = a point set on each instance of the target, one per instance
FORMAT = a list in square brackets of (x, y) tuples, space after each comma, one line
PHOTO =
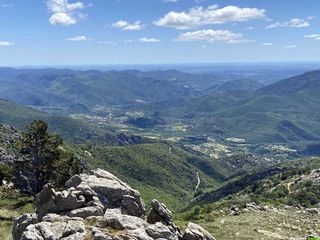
[(8, 138), (97, 205)]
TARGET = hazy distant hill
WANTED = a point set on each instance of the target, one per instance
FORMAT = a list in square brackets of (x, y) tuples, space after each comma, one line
[(285, 111), (308, 82), (80, 91), (288, 110), (65, 88), (21, 116)]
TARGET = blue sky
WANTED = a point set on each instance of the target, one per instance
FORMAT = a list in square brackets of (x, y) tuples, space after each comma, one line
[(62, 32)]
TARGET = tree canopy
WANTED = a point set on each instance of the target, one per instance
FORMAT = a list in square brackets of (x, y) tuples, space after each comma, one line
[(46, 160)]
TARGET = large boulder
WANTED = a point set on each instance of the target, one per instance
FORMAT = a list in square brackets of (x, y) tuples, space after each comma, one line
[(112, 192), (195, 232), (50, 201), (159, 230), (55, 227), (159, 213)]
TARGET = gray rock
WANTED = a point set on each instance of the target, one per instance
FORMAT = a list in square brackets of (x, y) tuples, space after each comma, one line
[(159, 213), (55, 227), (8, 138), (21, 223), (98, 234), (9, 134), (6, 157), (112, 191), (74, 181), (195, 232), (50, 201), (31, 234), (99, 206), (115, 219), (139, 234), (159, 230), (130, 206), (108, 191), (86, 212), (52, 217), (76, 236)]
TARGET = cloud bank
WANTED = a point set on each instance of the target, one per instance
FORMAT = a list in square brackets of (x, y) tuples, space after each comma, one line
[(200, 16)]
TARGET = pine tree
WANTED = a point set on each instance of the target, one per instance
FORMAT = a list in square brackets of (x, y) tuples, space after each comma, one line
[(42, 150), (46, 160)]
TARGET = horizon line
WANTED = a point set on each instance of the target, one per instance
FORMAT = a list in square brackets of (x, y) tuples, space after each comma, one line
[(155, 64)]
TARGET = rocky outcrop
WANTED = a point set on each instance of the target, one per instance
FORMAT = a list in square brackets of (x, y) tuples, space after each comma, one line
[(98, 206), (9, 134), (8, 137), (90, 194), (159, 213), (6, 157)]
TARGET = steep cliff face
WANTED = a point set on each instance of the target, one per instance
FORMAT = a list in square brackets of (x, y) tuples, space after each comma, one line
[(97, 205)]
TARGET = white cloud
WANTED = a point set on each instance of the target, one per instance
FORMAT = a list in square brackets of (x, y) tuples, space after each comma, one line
[(79, 39), (6, 44), (313, 36), (65, 13), (210, 35), (267, 44), (212, 15), (62, 19), (124, 25), (149, 40), (294, 23), (291, 46)]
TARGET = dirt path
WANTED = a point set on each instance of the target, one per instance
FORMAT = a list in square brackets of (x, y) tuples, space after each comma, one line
[(198, 184)]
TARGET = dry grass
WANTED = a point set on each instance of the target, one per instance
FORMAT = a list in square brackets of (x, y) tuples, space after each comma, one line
[(5, 230), (12, 204), (282, 224)]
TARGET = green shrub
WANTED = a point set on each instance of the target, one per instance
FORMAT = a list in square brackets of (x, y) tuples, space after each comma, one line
[(5, 173)]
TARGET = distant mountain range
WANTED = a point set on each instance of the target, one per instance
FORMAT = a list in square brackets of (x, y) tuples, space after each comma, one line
[(285, 111), (85, 89), (288, 110)]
